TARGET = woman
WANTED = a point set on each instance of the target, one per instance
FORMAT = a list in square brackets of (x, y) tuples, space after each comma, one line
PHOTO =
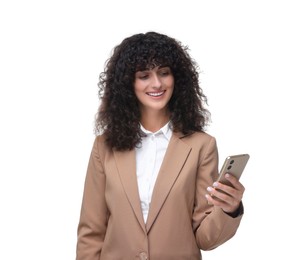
[(149, 191)]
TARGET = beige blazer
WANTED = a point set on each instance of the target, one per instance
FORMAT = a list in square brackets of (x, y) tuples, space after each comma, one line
[(180, 220)]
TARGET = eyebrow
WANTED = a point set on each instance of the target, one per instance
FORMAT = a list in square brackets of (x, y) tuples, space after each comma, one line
[(159, 67)]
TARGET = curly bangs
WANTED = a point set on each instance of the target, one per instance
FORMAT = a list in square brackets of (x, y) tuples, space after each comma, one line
[(118, 115)]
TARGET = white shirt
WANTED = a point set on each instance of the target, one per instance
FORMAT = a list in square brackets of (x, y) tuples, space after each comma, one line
[(149, 157)]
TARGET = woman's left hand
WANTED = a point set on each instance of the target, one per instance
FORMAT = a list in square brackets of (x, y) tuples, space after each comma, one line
[(224, 196)]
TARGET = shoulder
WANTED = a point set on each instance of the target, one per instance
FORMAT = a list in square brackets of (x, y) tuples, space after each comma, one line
[(200, 138), (202, 144), (100, 146)]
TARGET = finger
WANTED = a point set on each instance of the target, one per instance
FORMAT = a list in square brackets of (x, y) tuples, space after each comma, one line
[(219, 195), (219, 203), (223, 188), (225, 202)]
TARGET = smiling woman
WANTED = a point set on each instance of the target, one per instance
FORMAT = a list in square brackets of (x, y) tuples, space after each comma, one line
[(153, 89), (148, 58), (152, 161)]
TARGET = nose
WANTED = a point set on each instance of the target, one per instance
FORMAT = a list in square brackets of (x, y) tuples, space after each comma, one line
[(156, 81)]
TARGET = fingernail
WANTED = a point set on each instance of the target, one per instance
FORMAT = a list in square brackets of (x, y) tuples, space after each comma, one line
[(215, 184), (209, 189), (207, 196), (227, 175)]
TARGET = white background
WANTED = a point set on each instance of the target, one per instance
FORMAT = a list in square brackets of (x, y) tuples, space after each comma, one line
[(253, 58)]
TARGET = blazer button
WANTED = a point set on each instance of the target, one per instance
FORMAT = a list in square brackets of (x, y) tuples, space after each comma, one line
[(143, 256)]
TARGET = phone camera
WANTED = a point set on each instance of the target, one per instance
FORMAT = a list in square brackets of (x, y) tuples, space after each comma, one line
[(232, 161), (229, 167)]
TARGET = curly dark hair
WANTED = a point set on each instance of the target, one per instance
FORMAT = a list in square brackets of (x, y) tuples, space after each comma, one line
[(119, 115)]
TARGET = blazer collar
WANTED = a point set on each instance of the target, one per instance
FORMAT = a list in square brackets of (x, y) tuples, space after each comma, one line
[(174, 159), (126, 165)]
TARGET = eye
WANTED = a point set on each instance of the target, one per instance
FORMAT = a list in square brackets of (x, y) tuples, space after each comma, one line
[(164, 72), (142, 75)]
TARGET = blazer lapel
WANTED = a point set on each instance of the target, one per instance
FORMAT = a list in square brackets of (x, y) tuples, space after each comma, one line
[(174, 159), (126, 164)]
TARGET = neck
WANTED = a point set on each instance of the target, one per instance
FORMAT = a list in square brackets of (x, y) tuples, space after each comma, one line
[(153, 121)]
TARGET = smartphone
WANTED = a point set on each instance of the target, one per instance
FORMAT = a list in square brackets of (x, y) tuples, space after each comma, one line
[(233, 165)]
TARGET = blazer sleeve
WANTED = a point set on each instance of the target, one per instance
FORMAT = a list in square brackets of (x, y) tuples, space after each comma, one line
[(94, 212), (212, 225)]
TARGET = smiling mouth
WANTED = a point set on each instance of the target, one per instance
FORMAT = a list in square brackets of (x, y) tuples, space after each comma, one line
[(156, 94)]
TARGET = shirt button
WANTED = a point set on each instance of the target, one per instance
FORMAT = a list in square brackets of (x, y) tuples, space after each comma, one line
[(143, 256)]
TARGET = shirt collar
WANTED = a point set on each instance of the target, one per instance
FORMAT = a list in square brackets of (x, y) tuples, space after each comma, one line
[(165, 130)]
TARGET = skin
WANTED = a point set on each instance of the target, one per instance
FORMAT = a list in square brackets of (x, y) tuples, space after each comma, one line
[(153, 89), (229, 200)]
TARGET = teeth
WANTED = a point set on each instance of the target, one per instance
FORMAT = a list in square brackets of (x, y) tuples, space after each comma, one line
[(155, 94)]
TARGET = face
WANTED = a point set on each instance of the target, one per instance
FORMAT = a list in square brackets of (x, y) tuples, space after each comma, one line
[(154, 88)]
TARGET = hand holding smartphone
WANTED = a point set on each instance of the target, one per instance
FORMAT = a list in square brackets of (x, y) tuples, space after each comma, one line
[(234, 165)]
